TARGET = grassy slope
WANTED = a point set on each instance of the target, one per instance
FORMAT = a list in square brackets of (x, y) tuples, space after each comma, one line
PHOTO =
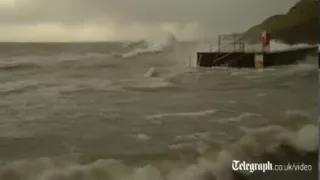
[(299, 25)]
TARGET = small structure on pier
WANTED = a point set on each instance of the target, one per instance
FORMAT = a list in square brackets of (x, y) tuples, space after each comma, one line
[(233, 41), (232, 52)]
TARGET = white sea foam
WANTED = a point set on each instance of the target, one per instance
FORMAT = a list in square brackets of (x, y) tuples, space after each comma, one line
[(154, 44), (181, 114), (141, 137), (150, 73), (253, 145), (194, 136)]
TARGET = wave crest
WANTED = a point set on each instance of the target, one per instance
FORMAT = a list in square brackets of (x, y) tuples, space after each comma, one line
[(151, 45), (258, 145)]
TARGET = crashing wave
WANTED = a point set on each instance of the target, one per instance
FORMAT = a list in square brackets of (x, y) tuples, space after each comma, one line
[(150, 46), (18, 66), (134, 44), (274, 143)]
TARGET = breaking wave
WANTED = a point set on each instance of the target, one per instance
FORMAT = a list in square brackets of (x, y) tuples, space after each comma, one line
[(205, 160), (276, 144), (152, 45), (18, 87), (201, 113), (18, 66), (151, 73), (275, 46), (153, 84)]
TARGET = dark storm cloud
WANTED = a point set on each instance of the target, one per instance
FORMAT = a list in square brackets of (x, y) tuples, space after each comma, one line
[(220, 15), (151, 11)]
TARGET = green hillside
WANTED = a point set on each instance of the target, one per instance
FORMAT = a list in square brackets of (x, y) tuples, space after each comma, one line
[(299, 25)]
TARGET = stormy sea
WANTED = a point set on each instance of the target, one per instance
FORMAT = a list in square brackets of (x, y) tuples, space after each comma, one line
[(144, 111)]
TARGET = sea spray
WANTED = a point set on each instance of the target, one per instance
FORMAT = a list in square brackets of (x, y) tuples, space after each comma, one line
[(204, 168), (152, 45)]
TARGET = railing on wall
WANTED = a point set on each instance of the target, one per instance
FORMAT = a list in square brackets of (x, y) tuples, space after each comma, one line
[(233, 41)]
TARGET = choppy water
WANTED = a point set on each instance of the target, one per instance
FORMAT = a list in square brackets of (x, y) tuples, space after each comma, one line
[(113, 111)]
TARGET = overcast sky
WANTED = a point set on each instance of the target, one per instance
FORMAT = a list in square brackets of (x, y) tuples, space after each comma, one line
[(92, 20)]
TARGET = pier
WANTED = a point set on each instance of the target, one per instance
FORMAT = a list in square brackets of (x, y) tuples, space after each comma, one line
[(233, 52)]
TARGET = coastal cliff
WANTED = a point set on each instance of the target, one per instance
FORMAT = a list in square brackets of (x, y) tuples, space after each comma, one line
[(299, 25)]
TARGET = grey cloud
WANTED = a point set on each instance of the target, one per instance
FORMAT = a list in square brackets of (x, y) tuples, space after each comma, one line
[(214, 15), (77, 11)]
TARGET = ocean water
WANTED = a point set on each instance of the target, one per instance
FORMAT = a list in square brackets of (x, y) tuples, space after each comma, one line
[(143, 111)]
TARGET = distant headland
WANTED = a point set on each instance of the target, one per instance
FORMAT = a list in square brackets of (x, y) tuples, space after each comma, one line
[(299, 25)]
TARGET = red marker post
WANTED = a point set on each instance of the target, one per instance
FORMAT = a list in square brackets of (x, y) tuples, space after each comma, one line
[(265, 36)]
